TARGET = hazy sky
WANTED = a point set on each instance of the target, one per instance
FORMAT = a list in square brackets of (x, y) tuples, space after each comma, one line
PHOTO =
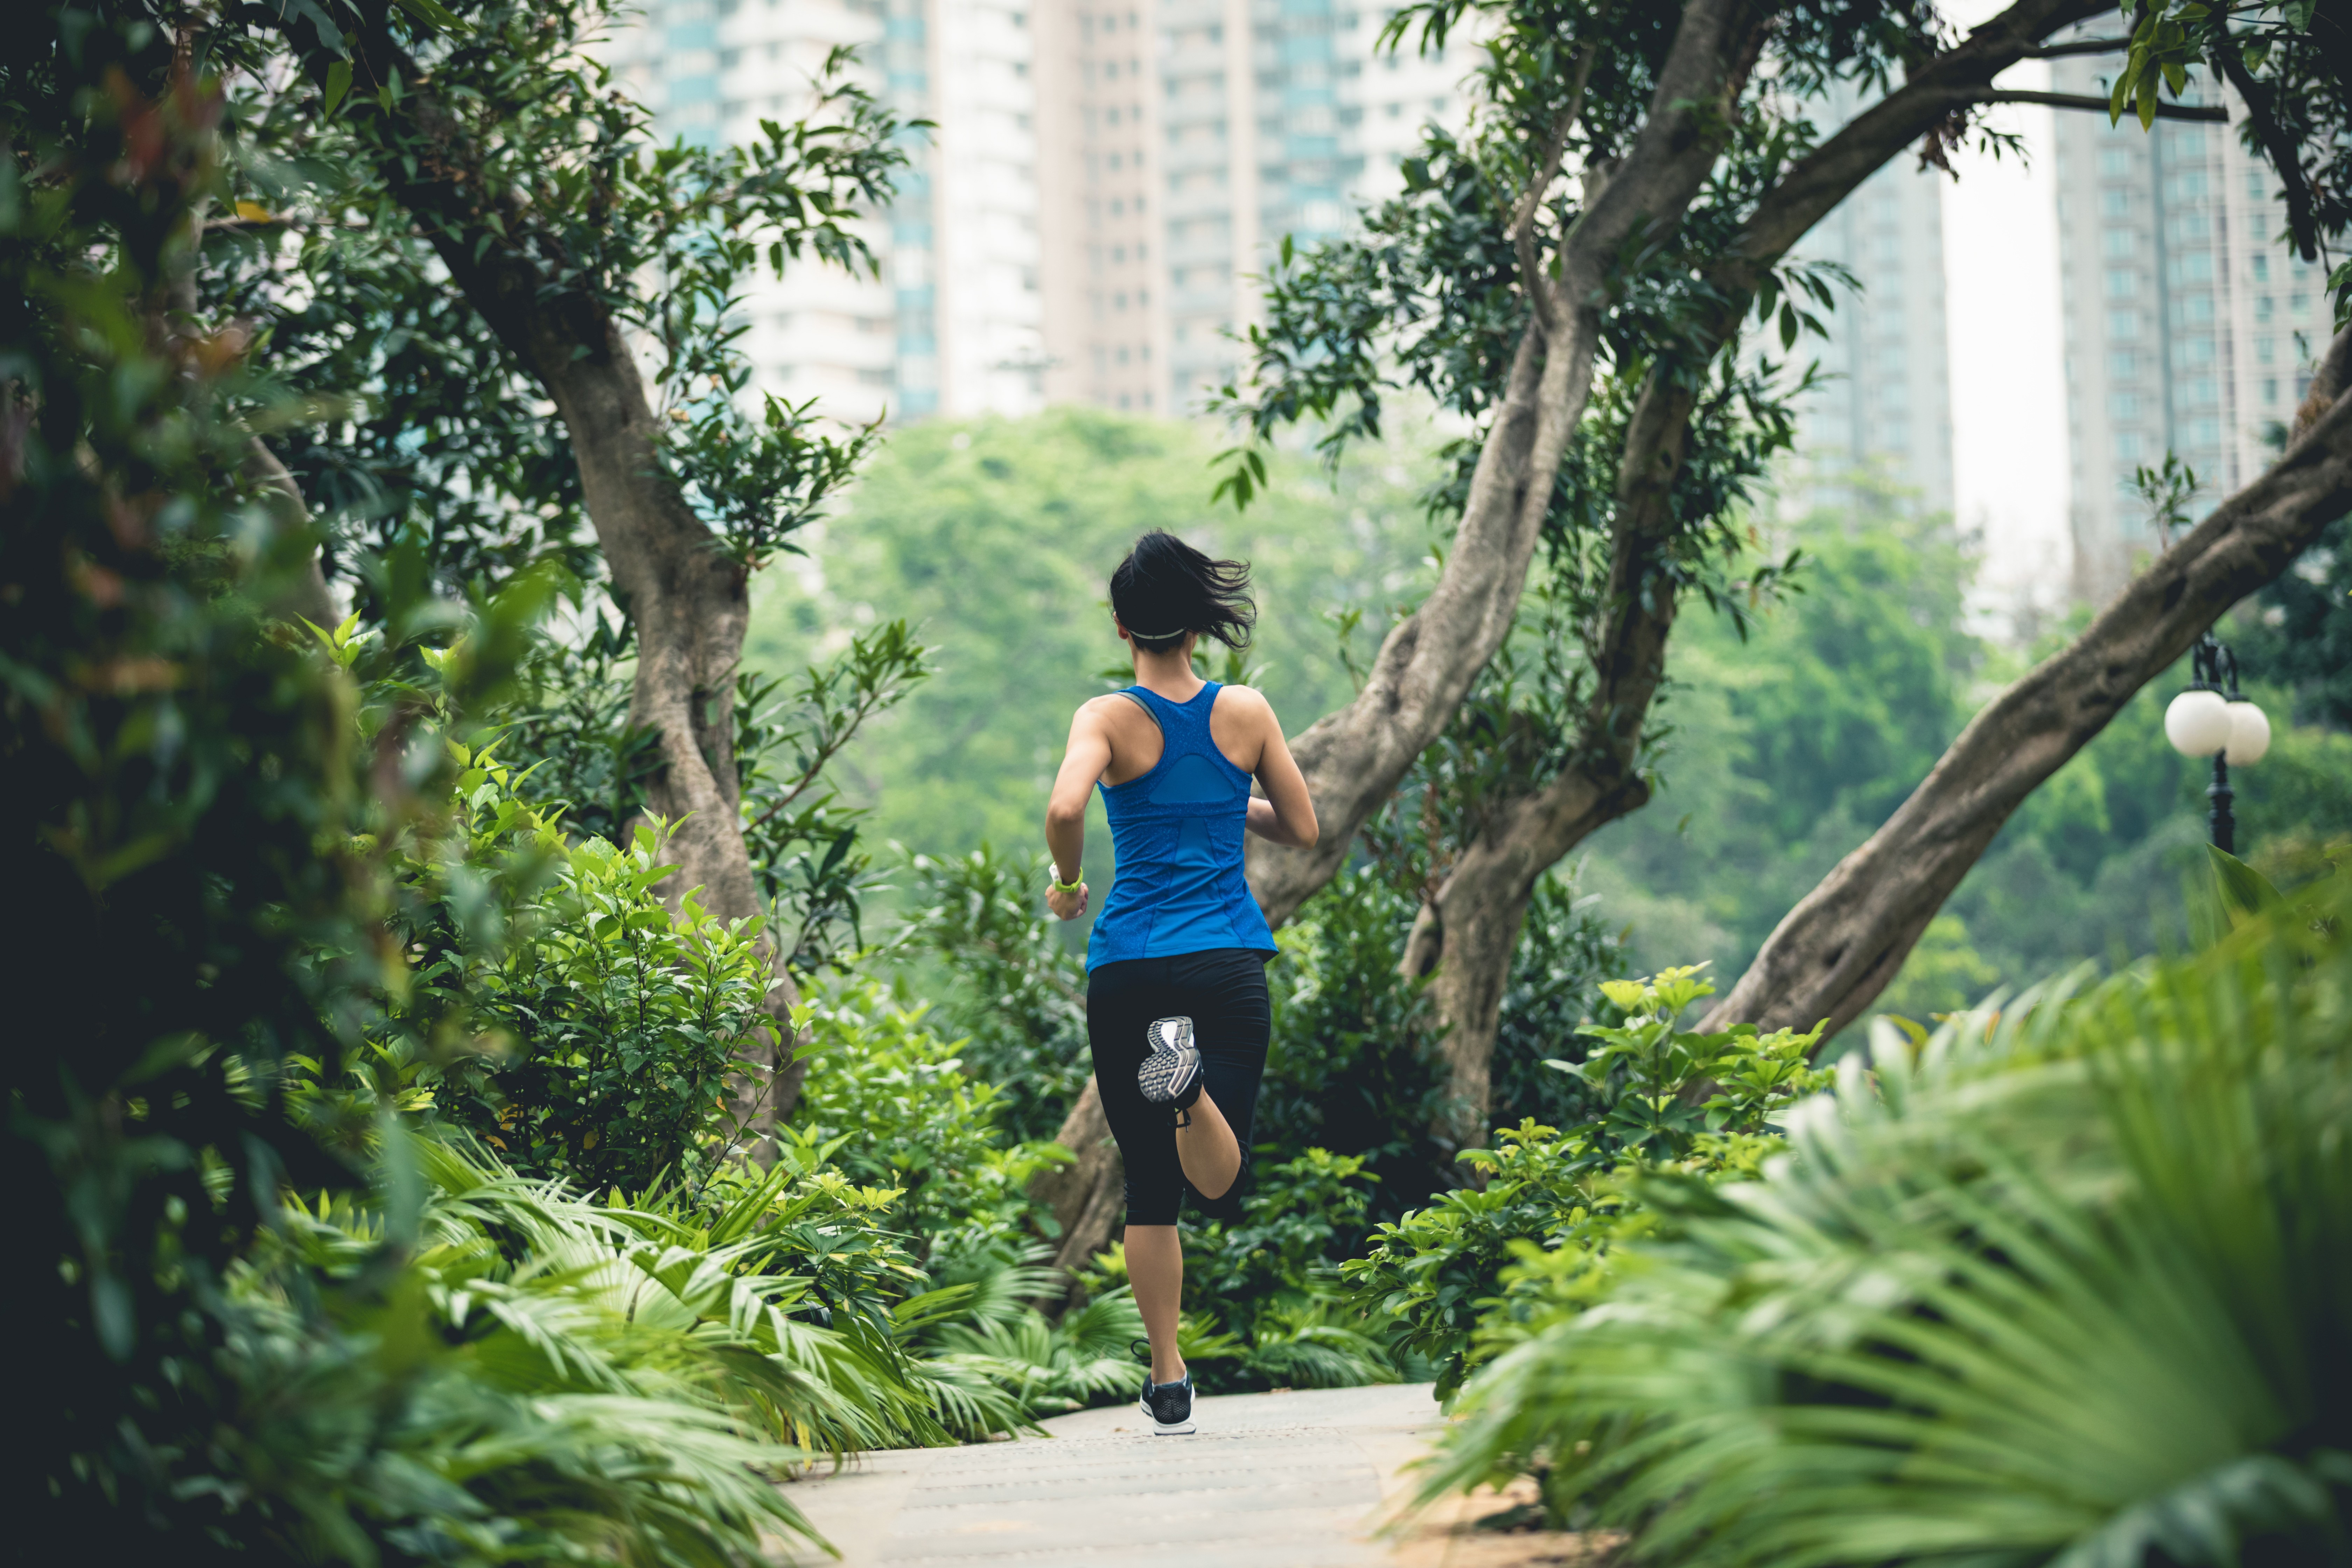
[(2008, 394)]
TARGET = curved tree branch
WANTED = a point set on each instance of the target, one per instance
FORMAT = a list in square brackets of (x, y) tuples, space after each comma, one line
[(1834, 953), (1354, 758), (1466, 932)]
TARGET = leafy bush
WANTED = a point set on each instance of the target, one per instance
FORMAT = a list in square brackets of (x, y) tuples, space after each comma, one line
[(553, 1006), (1268, 1278), (895, 1102), (1352, 1069), (1440, 1278), (1017, 992), (1261, 1304), (1553, 990), (2062, 1284)]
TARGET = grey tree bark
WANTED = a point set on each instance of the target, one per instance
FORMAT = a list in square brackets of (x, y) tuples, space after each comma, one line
[(1832, 953), (689, 602), (1467, 931), (1354, 759)]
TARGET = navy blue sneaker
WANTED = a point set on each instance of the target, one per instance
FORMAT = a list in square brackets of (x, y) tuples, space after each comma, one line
[(1171, 1075), (1169, 1405)]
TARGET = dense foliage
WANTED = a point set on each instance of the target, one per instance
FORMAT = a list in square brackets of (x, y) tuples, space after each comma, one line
[(2064, 1283), (603, 1027), (1436, 1279)]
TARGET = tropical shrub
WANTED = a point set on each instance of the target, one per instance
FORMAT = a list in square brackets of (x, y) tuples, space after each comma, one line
[(1565, 951), (551, 1005), (183, 803), (894, 1103), (1438, 1278), (2064, 1284), (1352, 1069), (1015, 990), (1267, 1279), (1261, 1304)]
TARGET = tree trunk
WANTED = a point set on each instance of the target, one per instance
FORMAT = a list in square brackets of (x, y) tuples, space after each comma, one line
[(1466, 933), (689, 604), (1355, 758), (1834, 953)]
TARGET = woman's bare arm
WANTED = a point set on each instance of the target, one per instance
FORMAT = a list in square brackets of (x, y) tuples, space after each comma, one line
[(1285, 815), (1066, 809)]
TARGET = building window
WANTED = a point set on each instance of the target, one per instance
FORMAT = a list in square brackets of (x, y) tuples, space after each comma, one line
[(2261, 268), (2193, 267), (2270, 390), (2127, 447), (2264, 349), (2263, 310), (2114, 203), (2123, 324), (2122, 282), (2205, 432), (2119, 241), (2115, 162), (2122, 365), (2123, 406)]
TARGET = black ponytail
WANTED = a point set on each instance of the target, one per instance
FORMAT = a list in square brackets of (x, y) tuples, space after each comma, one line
[(1165, 590)]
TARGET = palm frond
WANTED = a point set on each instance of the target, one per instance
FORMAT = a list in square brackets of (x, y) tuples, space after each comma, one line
[(2068, 1287)]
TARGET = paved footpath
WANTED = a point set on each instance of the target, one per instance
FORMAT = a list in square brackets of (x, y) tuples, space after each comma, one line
[(1270, 1480)]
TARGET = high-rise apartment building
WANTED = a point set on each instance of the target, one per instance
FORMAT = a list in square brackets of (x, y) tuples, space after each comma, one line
[(1885, 404), (2189, 328), (952, 323), (1104, 184)]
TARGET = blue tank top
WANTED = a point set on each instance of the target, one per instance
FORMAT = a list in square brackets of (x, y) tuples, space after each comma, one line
[(1176, 833)]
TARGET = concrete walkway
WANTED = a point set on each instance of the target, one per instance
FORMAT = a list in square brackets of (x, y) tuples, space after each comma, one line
[(1270, 1480)]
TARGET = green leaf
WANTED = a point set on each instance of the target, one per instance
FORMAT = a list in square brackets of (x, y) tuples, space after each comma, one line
[(434, 15), (338, 82), (2244, 890)]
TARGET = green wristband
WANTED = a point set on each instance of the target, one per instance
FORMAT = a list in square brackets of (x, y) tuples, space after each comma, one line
[(1062, 886)]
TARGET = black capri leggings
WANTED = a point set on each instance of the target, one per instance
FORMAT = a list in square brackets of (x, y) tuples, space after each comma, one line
[(1222, 991)]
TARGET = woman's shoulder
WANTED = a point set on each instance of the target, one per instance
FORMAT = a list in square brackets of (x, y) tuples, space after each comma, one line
[(1110, 704), (1244, 702)]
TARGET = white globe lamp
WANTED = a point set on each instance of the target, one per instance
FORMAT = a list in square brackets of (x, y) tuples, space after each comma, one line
[(2250, 733), (2210, 720), (2197, 722)]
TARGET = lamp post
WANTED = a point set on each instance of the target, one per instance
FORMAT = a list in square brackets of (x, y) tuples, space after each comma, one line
[(2210, 720)]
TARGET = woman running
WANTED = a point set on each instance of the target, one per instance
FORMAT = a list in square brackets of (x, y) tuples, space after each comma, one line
[(1177, 1014)]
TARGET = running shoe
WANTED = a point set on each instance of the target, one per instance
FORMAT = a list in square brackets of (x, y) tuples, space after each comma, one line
[(1169, 1405), (1171, 1075)]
